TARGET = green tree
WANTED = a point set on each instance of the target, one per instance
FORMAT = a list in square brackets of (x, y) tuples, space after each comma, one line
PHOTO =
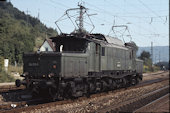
[(1, 63), (145, 55)]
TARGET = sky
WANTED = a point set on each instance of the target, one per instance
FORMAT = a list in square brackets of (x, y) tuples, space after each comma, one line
[(147, 20)]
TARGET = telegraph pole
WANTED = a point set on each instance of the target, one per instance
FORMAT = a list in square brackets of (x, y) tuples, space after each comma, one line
[(155, 58), (27, 15), (159, 57), (152, 52), (152, 56), (38, 14)]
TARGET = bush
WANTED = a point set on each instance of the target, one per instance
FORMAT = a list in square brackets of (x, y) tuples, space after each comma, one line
[(1, 63), (12, 68), (4, 77)]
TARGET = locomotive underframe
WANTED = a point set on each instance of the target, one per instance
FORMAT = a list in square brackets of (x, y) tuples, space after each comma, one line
[(63, 87)]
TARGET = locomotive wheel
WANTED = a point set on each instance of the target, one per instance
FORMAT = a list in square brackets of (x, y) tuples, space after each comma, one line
[(53, 93), (104, 86), (124, 82), (137, 80), (87, 95), (110, 84), (113, 85), (133, 81), (68, 92), (87, 91), (34, 92)]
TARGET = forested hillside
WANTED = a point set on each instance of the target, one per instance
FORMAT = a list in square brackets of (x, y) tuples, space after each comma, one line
[(19, 33)]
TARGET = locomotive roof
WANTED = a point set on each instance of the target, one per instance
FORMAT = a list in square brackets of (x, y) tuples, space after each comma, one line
[(112, 40), (108, 39), (139, 60), (96, 38)]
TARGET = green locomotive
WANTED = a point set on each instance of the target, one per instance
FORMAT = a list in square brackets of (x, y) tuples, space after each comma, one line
[(89, 64)]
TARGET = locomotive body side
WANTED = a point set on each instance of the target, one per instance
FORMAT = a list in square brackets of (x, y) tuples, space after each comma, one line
[(113, 60), (74, 65)]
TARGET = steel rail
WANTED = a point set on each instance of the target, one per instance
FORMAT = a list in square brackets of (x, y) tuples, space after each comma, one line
[(152, 104), (136, 103)]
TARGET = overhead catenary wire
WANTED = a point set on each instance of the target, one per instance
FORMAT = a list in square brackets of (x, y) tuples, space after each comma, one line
[(150, 9), (157, 16), (146, 17), (121, 18), (142, 17), (139, 40), (105, 11)]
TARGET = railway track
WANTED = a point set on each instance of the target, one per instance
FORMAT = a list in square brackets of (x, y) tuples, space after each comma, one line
[(156, 73), (155, 105), (10, 88), (136, 103), (32, 104)]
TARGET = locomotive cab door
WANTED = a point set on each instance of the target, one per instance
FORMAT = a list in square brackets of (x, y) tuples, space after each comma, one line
[(97, 57)]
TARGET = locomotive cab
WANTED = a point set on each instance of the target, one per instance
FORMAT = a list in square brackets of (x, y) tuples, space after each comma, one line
[(70, 44)]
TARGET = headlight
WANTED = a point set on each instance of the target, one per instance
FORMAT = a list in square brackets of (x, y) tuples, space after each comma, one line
[(51, 75)]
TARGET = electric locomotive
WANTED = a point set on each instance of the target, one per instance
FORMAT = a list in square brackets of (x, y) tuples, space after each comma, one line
[(82, 64)]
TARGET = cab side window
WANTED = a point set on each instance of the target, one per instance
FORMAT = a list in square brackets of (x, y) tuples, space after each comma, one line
[(97, 49), (103, 51), (130, 55)]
